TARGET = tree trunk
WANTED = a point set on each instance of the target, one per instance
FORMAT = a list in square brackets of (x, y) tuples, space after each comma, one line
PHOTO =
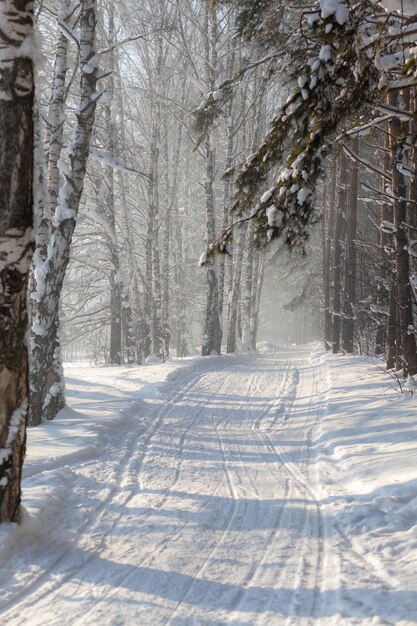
[(133, 317), (115, 278), (212, 329), (16, 245), (227, 186), (328, 260), (381, 336), (343, 186), (166, 242), (405, 322), (260, 272), (247, 290), (47, 395), (350, 264), (236, 289)]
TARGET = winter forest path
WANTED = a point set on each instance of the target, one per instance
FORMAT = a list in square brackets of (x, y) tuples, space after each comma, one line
[(209, 516)]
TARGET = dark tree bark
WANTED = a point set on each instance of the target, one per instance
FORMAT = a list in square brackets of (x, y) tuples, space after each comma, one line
[(260, 274), (236, 290), (16, 245), (343, 185), (381, 336), (406, 343), (348, 331), (328, 254), (247, 289)]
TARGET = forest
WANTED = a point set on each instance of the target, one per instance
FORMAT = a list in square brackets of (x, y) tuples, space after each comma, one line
[(202, 178)]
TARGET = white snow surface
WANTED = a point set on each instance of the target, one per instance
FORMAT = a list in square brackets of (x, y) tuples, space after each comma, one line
[(407, 7), (274, 488)]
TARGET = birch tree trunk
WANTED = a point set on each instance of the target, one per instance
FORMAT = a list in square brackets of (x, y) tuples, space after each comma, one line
[(172, 225), (134, 322), (212, 330), (47, 383), (227, 187), (16, 245), (116, 283), (252, 258), (153, 287), (56, 120)]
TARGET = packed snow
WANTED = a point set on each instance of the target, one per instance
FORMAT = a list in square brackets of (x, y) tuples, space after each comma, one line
[(272, 488)]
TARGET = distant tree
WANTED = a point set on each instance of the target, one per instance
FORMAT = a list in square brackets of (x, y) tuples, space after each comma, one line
[(344, 64)]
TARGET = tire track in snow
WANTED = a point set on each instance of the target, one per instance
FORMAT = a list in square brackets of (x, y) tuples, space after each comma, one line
[(172, 537), (290, 418), (131, 450), (229, 520), (330, 561), (256, 566), (235, 602), (298, 486)]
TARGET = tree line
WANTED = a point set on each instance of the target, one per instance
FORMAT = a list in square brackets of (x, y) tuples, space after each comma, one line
[(156, 129), (118, 195)]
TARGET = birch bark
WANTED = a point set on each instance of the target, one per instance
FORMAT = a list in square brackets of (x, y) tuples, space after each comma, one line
[(16, 244), (212, 330), (47, 389)]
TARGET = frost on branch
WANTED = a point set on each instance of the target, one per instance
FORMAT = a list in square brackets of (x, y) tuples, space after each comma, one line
[(331, 84), (334, 77)]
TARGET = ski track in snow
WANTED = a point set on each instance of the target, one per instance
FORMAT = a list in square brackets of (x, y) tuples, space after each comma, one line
[(211, 515)]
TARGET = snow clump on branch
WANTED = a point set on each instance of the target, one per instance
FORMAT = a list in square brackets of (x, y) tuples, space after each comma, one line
[(340, 74)]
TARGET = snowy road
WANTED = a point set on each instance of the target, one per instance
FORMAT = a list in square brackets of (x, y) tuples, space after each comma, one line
[(211, 515)]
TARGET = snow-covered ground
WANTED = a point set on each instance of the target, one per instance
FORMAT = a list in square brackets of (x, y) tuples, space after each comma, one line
[(271, 489)]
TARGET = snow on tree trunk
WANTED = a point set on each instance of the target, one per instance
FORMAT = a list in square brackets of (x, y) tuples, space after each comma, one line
[(49, 202), (224, 261), (56, 117), (212, 338), (16, 245), (212, 331), (47, 385)]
